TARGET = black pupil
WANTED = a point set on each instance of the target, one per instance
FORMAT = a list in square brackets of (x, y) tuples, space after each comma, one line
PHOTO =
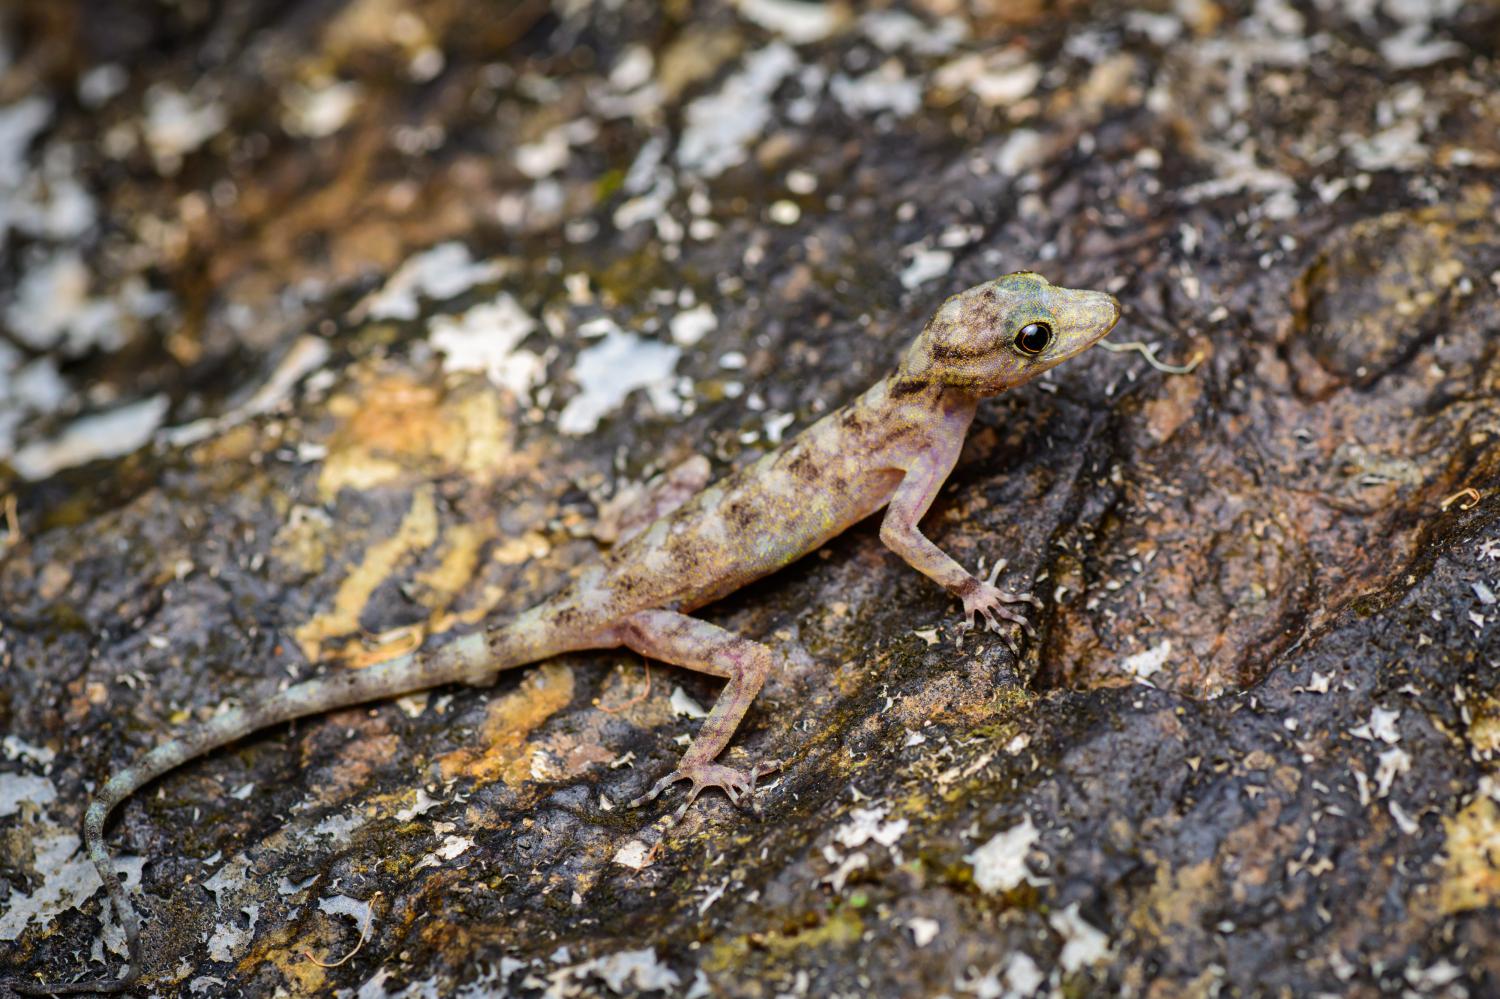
[(1033, 338)]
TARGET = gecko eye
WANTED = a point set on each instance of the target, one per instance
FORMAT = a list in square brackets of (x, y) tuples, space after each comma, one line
[(1033, 338)]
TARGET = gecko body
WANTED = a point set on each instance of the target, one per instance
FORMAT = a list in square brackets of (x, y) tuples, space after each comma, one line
[(892, 447)]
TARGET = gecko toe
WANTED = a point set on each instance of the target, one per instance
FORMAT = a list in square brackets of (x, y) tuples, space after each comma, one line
[(763, 768), (658, 788), (737, 785)]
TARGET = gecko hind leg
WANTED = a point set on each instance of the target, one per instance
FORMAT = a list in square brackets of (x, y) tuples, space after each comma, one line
[(697, 645)]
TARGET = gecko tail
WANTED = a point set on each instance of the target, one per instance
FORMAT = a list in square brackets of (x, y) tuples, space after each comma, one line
[(461, 661)]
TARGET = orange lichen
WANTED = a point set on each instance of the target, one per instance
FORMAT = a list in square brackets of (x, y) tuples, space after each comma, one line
[(501, 751), (1471, 872), (417, 532), (394, 430)]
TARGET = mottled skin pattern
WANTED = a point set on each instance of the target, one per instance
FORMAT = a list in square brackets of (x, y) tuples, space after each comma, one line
[(892, 447)]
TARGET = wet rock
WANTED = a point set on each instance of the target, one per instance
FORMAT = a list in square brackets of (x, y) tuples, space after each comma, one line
[(1387, 285), (369, 267)]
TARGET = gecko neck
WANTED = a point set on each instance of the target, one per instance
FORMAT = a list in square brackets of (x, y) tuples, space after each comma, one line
[(901, 389)]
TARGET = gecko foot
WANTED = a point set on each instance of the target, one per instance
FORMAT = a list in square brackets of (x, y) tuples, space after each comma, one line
[(990, 602), (735, 783)]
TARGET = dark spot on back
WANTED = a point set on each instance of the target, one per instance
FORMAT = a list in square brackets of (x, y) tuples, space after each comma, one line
[(803, 467), (684, 553), (739, 514)]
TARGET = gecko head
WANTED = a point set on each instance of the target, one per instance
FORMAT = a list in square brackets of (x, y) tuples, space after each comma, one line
[(1007, 331)]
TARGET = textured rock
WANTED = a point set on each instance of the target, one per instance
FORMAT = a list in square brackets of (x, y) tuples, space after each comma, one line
[(368, 255)]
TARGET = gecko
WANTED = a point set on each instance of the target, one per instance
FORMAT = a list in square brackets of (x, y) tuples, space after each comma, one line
[(891, 448)]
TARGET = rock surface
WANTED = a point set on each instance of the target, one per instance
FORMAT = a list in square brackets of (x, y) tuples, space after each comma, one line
[(327, 327)]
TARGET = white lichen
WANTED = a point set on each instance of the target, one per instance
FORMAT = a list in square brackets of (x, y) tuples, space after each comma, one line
[(486, 339), (444, 271), (1000, 864), (607, 372), (720, 127), (1083, 944), (178, 123), (104, 435), (1146, 664)]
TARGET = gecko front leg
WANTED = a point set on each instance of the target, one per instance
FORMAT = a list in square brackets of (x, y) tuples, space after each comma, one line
[(900, 533), (680, 640)]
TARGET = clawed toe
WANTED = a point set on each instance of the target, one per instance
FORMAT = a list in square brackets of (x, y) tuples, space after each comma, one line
[(996, 618), (765, 767), (737, 785), (658, 788), (989, 603)]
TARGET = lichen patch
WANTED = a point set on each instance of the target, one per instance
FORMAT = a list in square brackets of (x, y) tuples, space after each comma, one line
[(500, 750), (1471, 870), (418, 531)]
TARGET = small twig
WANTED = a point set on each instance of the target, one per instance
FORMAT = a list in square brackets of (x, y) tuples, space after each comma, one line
[(12, 521), (1468, 494), (1149, 353), (656, 847), (634, 700), (364, 934)]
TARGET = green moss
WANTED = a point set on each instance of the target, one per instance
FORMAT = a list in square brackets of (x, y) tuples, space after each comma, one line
[(608, 183), (841, 927), (64, 617), (74, 511)]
